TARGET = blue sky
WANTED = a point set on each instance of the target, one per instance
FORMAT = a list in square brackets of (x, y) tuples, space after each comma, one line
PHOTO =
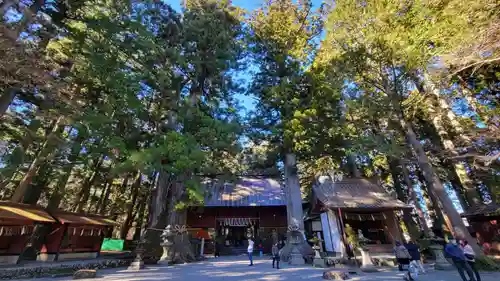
[(247, 101)]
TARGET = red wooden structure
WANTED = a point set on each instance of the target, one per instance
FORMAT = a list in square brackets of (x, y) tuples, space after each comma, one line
[(233, 209), (17, 222), (484, 223), (75, 236)]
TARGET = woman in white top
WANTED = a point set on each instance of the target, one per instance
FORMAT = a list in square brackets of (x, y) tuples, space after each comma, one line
[(250, 251), (471, 257)]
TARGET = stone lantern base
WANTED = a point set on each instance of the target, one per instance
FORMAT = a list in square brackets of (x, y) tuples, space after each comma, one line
[(366, 261)]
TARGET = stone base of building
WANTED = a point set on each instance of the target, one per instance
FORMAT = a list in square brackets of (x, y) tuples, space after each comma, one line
[(10, 259), (72, 256)]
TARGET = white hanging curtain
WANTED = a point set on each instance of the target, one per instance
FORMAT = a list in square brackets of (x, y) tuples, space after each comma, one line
[(236, 221)]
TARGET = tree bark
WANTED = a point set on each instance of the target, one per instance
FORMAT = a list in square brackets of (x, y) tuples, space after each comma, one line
[(158, 214), (41, 180), (45, 152), (121, 190), (437, 111), (414, 198), (103, 202), (141, 213), (130, 206), (401, 194), (83, 196), (353, 166), (436, 187), (57, 195), (6, 99)]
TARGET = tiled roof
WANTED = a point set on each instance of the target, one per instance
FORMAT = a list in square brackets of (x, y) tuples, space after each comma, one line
[(355, 193), (244, 192), (23, 212), (485, 210)]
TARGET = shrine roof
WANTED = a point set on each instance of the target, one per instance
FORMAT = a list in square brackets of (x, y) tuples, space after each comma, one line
[(244, 192), (483, 210), (82, 219), (355, 193), (24, 212)]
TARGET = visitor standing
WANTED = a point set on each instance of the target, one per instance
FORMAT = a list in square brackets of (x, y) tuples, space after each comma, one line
[(414, 251), (275, 251), (402, 255), (455, 253), (470, 257), (217, 247), (250, 251)]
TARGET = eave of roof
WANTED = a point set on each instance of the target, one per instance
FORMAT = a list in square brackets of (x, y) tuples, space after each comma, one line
[(24, 212), (82, 219), (355, 194), (483, 210)]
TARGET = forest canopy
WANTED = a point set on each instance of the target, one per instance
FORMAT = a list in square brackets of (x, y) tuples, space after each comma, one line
[(122, 108)]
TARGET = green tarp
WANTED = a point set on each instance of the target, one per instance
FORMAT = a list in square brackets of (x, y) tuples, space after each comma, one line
[(112, 245)]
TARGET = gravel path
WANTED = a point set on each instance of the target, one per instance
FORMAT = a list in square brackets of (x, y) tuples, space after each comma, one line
[(236, 268)]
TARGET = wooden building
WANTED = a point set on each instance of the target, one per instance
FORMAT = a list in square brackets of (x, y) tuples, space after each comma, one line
[(17, 222), (357, 202), (484, 221), (75, 236), (232, 210)]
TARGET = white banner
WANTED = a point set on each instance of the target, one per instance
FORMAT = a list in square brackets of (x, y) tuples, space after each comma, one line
[(326, 232), (335, 232)]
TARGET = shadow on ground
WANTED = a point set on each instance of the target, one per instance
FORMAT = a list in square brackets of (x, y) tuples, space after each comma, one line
[(237, 269)]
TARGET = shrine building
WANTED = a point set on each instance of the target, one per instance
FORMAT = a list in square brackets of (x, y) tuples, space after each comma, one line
[(257, 206), (233, 210), (363, 205)]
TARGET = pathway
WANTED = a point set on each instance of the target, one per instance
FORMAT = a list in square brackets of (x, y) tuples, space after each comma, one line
[(237, 269)]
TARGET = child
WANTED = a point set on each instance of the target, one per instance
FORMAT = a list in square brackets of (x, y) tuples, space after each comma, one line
[(276, 255)]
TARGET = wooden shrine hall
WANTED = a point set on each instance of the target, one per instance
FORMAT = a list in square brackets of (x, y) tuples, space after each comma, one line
[(233, 210), (359, 203), (68, 236)]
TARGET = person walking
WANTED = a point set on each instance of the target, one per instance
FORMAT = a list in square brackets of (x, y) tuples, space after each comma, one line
[(455, 253), (217, 248), (250, 250), (402, 255), (415, 256), (470, 257), (275, 251)]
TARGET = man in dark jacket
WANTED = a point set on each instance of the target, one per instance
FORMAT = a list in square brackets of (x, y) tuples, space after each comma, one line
[(414, 251), (455, 253)]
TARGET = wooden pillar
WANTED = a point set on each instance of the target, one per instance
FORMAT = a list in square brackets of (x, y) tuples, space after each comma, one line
[(392, 226)]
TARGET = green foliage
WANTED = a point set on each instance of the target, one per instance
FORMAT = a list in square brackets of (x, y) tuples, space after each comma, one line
[(352, 237)]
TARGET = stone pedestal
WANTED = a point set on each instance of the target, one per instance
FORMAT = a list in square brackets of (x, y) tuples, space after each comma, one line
[(441, 262), (366, 261), (136, 265), (319, 262), (296, 257), (165, 258)]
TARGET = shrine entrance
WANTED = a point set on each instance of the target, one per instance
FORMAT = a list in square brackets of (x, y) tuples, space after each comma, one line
[(235, 231)]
